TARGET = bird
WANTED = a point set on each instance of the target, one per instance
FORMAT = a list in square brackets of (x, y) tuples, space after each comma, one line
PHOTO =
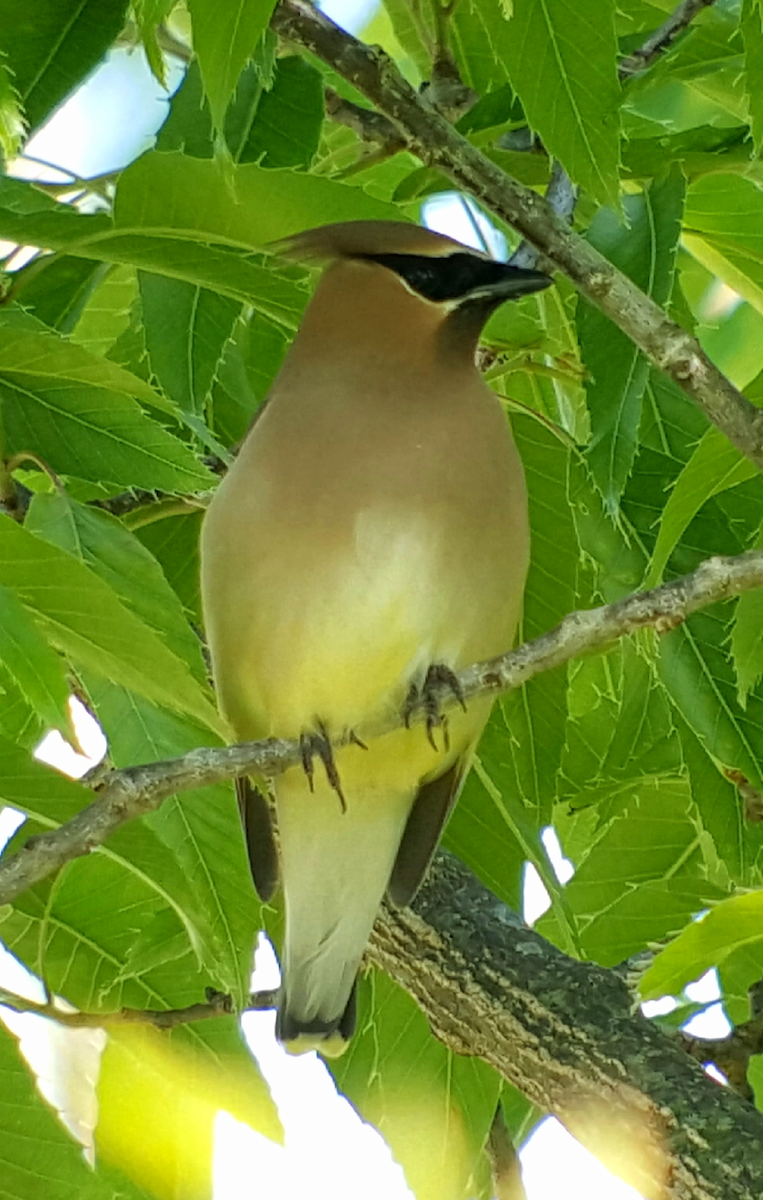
[(369, 540)]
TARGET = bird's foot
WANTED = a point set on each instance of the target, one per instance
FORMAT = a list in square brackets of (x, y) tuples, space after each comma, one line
[(428, 696), (318, 745)]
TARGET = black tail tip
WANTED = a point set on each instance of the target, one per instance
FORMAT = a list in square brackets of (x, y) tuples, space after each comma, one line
[(329, 1038)]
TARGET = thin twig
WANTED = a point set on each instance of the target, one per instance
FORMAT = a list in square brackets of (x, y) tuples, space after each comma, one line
[(505, 1166), (369, 126), (217, 1004), (134, 791), (662, 39)]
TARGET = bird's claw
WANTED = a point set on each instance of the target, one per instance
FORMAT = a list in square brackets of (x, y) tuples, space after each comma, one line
[(318, 744), (428, 698)]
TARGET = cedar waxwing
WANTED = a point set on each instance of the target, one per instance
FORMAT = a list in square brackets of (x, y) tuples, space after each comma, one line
[(371, 535)]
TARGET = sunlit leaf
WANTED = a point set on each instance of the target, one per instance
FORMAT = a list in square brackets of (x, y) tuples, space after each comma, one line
[(11, 117), (433, 1107), (57, 1164), (103, 544), (223, 39), (83, 615), (715, 466), (38, 670), (157, 1108), (724, 230), (729, 926)]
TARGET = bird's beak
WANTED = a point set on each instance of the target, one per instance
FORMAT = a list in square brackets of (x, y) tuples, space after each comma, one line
[(513, 283)]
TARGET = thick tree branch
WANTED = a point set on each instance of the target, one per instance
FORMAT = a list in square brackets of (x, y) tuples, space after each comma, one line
[(428, 135), (133, 791), (563, 1032)]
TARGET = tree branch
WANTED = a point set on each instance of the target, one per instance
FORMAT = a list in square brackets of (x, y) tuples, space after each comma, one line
[(428, 135), (662, 38), (731, 1054), (564, 1033), (217, 1004), (505, 1166), (134, 791)]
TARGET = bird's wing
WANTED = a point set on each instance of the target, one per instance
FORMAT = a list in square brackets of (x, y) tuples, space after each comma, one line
[(260, 839), (431, 809)]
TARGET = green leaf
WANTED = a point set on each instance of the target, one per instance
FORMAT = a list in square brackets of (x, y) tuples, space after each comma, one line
[(653, 835), (620, 726), (103, 544), (644, 914), (84, 616), (53, 45), (259, 206), (149, 14), (11, 117), (57, 1164), (28, 217), (18, 720), (434, 1108), (37, 789), (250, 365), (223, 39), (96, 434), (561, 62), (481, 39), (536, 713), (728, 927), (277, 127), (174, 542), (490, 830), (37, 669), (616, 558), (413, 30), (747, 637), (287, 125), (736, 841), (90, 429), (696, 671), (752, 36), (135, 850), (187, 331), (645, 250), (495, 832), (714, 467), (723, 228), (188, 127), (106, 315), (29, 351), (58, 294), (200, 830)]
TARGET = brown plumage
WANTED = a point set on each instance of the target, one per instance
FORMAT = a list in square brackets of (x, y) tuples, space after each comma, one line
[(374, 524)]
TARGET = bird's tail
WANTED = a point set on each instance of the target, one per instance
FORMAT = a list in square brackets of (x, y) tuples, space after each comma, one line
[(335, 867)]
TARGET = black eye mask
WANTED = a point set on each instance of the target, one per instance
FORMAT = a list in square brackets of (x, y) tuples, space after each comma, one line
[(456, 276)]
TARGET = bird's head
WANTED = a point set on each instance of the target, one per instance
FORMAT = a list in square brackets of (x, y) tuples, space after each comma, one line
[(379, 263)]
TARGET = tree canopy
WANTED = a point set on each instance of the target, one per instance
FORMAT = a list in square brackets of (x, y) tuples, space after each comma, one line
[(616, 146)]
